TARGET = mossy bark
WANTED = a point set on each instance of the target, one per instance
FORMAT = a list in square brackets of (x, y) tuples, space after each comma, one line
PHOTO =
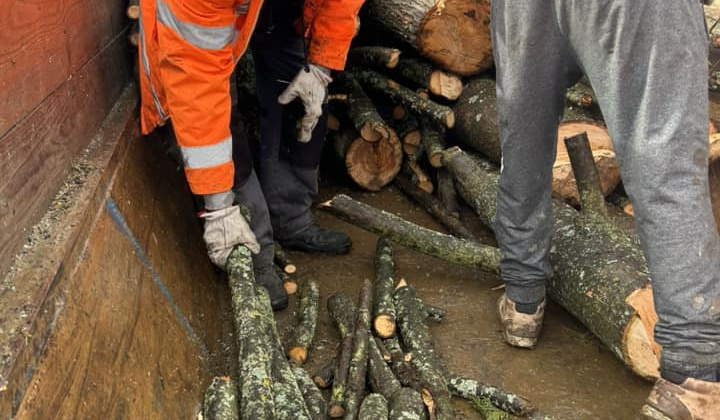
[(304, 332), (440, 114), (416, 338), (407, 404), (374, 407), (221, 400), (597, 266), (471, 389), (487, 410), (314, 400), (382, 379), (254, 344), (359, 361), (383, 307), (342, 310), (439, 245)]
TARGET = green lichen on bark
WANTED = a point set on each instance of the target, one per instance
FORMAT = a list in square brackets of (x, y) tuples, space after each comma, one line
[(314, 400), (374, 407), (304, 332), (487, 410), (255, 349), (407, 404), (382, 379), (359, 361), (416, 338), (439, 245), (471, 389), (342, 310), (221, 400)]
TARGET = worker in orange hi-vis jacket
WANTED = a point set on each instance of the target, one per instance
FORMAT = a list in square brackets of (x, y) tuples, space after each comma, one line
[(187, 54)]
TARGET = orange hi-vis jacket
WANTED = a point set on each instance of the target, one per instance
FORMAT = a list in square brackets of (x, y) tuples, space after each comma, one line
[(187, 52)]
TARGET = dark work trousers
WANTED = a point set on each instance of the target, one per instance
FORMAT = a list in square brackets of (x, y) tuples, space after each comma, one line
[(647, 61), (287, 169)]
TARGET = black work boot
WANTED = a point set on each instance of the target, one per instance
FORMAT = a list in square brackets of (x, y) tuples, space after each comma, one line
[(317, 239), (268, 278)]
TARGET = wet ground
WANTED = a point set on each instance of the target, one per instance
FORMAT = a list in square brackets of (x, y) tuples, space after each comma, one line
[(570, 374)]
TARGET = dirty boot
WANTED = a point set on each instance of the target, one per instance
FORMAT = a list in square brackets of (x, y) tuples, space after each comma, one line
[(317, 239), (691, 400), (519, 329), (268, 278)]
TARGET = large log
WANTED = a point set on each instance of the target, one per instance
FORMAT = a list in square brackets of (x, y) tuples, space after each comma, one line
[(380, 84), (600, 272), (372, 165), (477, 129), (430, 242), (304, 332), (254, 345), (221, 400), (454, 34)]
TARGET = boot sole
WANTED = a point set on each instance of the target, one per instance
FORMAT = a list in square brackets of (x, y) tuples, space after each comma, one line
[(521, 342)]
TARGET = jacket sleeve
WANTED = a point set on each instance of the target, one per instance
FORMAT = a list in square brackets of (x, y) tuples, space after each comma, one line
[(195, 64), (331, 27)]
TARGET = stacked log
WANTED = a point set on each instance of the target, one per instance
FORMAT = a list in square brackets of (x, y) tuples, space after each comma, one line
[(454, 34)]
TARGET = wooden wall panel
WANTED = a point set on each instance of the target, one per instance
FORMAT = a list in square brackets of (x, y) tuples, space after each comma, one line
[(35, 155), (43, 43)]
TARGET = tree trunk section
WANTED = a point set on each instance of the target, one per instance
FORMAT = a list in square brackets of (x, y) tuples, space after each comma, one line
[(373, 56), (439, 245), (359, 362), (304, 332), (383, 306), (254, 345), (221, 400), (476, 126), (372, 165), (441, 114), (454, 34), (600, 272), (374, 407)]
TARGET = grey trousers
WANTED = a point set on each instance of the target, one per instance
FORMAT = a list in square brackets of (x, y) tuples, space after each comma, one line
[(647, 61)]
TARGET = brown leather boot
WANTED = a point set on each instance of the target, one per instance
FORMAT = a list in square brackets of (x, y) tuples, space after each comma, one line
[(692, 400), (519, 329)]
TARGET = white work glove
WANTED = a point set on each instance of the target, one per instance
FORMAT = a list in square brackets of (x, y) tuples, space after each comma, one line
[(223, 230), (311, 88)]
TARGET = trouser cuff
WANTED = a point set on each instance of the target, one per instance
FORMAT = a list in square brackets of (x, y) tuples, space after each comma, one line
[(525, 294)]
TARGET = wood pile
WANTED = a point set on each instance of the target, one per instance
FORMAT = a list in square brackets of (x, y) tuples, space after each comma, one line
[(386, 366)]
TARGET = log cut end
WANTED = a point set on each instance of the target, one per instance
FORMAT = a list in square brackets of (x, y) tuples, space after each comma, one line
[(336, 411), (384, 326), (393, 59), (564, 186), (290, 268), (435, 159), (640, 350), (456, 36), (133, 11), (290, 287), (411, 142), (714, 147), (445, 84), (450, 119), (372, 165), (297, 355)]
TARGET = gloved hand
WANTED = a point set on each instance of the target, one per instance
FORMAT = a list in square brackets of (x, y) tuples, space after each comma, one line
[(224, 229), (311, 88)]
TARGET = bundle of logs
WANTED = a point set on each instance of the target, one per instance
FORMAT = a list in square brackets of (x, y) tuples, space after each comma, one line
[(385, 367)]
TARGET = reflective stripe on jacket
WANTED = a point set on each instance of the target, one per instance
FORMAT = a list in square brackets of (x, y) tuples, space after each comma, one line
[(187, 51)]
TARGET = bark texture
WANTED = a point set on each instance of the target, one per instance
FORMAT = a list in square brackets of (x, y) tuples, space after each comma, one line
[(374, 407), (359, 361), (221, 400), (383, 306), (342, 310), (314, 400), (407, 404), (304, 332), (439, 245), (374, 56)]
